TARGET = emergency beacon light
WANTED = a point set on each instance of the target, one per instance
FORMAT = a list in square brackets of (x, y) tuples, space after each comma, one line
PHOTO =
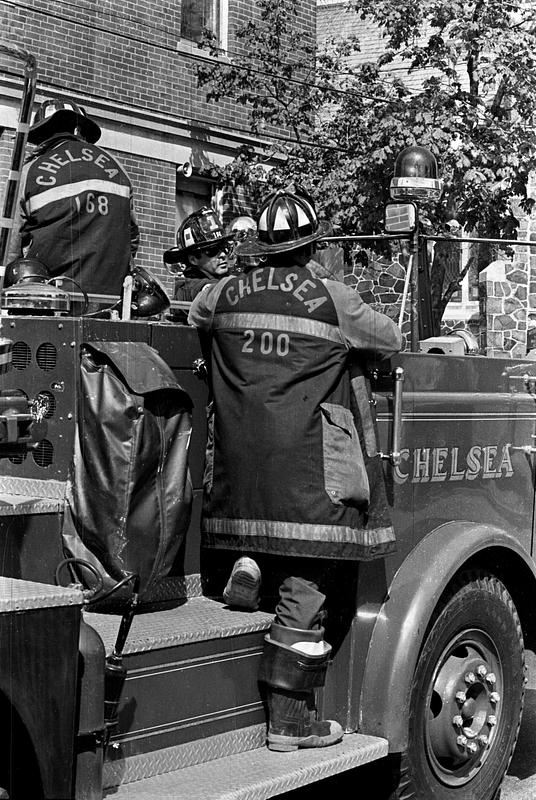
[(415, 175)]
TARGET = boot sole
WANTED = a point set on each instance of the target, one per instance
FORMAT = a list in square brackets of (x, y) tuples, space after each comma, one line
[(242, 590), (287, 744)]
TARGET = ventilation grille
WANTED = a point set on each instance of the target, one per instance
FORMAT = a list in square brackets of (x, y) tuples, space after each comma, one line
[(43, 455), (36, 364), (22, 355), (46, 356)]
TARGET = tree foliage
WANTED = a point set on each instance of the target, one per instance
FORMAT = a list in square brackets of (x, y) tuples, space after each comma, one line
[(467, 91)]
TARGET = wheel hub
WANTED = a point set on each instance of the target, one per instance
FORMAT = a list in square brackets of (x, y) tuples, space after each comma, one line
[(464, 706)]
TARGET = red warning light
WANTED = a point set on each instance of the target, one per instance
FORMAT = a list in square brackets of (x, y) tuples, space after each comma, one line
[(415, 175)]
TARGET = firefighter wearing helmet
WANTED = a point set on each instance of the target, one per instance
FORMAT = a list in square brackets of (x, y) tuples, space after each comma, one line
[(285, 485), (76, 208), (201, 253), (243, 227)]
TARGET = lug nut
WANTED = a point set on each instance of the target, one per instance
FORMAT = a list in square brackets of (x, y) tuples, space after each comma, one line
[(483, 740), (482, 671), (472, 747), (492, 720), (470, 677), (461, 740), (457, 720), (495, 697), (490, 677), (461, 697)]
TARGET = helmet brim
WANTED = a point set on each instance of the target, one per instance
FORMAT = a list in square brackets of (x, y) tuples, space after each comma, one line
[(253, 247), (61, 120), (177, 255)]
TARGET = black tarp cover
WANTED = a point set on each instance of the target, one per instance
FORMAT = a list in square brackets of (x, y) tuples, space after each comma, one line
[(129, 494)]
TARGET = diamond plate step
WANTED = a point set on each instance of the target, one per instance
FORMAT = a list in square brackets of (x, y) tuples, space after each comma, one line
[(198, 619), (255, 775), (191, 691)]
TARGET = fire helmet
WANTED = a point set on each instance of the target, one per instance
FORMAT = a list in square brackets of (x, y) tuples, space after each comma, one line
[(148, 294), (200, 231), (60, 114), (287, 221), (242, 227)]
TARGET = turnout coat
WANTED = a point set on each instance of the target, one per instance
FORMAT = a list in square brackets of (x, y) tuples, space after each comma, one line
[(286, 473), (76, 214), (190, 283)]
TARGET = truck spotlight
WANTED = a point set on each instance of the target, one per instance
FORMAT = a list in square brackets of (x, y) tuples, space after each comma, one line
[(400, 218), (415, 175)]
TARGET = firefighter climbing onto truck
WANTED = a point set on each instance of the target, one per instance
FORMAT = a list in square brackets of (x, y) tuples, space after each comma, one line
[(76, 212), (286, 477)]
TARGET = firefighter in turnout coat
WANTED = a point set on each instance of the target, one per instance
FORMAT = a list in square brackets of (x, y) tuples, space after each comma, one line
[(76, 210), (286, 476)]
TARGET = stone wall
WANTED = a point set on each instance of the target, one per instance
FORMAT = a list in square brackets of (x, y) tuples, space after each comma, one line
[(507, 294), (379, 279), (503, 302)]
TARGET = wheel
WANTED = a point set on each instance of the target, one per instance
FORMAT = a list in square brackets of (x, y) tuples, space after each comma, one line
[(467, 697)]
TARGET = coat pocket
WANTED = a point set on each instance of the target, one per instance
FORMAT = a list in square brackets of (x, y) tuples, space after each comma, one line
[(345, 476)]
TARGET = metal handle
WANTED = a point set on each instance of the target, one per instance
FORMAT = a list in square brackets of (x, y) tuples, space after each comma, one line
[(525, 448), (529, 449), (394, 456)]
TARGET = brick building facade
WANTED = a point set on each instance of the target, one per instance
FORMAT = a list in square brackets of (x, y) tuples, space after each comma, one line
[(132, 66)]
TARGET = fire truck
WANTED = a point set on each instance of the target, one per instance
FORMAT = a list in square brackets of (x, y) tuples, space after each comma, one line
[(125, 692)]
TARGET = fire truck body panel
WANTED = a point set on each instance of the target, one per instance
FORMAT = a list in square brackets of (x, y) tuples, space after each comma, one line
[(464, 420), (413, 595), (461, 496), (38, 622)]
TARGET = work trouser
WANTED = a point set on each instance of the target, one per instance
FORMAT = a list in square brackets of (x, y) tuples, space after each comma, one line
[(300, 604)]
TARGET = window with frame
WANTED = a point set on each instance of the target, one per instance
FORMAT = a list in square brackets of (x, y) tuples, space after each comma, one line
[(197, 16), (192, 194)]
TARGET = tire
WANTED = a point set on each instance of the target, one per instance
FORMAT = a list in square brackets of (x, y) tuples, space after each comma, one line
[(467, 697)]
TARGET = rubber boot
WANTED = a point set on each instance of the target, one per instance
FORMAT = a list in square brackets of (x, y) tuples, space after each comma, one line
[(294, 663), (293, 723)]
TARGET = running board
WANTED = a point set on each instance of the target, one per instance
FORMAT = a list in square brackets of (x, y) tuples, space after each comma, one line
[(255, 775)]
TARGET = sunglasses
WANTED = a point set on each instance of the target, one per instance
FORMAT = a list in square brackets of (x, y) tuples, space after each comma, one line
[(215, 250)]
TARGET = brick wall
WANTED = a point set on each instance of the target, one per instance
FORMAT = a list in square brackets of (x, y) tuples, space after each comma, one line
[(127, 52), (334, 20), (153, 183)]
